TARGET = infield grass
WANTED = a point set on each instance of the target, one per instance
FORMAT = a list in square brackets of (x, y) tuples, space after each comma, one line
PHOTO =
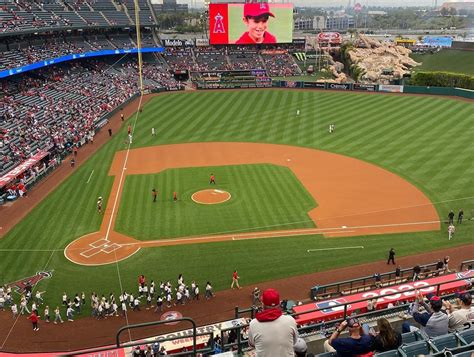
[(426, 140), (264, 197)]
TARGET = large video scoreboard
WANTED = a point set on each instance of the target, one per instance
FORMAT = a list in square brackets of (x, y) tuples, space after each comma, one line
[(250, 23)]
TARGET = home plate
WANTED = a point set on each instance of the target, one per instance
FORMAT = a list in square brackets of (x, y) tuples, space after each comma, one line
[(106, 245)]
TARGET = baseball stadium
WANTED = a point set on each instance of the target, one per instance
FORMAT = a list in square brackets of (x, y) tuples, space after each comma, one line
[(162, 194)]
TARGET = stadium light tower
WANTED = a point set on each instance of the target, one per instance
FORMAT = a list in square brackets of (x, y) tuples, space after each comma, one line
[(139, 45)]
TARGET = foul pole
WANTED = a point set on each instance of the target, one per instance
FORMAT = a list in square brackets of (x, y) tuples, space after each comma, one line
[(139, 45)]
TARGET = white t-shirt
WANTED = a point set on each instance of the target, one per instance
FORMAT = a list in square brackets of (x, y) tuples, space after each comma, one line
[(273, 338), (458, 318)]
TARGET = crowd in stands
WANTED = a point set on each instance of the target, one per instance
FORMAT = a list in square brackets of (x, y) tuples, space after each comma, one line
[(209, 58), (59, 107), (279, 63), (45, 47), (22, 15)]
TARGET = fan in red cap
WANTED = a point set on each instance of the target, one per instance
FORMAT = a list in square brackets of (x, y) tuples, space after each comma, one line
[(256, 17), (271, 332)]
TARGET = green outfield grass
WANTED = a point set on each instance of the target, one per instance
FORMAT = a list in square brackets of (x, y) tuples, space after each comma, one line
[(446, 60), (426, 140), (306, 77), (264, 197)]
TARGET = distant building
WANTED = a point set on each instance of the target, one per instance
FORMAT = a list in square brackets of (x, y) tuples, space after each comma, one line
[(314, 23), (459, 5), (170, 6), (340, 23)]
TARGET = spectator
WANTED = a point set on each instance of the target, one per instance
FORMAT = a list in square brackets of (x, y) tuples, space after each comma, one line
[(300, 348), (434, 322), (357, 343), (416, 272), (271, 332), (387, 338), (458, 318)]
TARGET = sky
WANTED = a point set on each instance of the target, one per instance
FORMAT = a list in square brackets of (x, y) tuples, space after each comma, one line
[(327, 3)]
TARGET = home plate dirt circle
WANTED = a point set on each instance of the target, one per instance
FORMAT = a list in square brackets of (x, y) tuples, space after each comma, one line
[(211, 196)]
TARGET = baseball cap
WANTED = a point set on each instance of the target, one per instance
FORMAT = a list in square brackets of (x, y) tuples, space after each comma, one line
[(464, 296), (300, 346), (353, 322), (271, 297), (257, 9), (436, 301)]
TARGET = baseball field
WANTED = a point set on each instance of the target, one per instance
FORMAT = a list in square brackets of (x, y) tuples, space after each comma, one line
[(387, 177)]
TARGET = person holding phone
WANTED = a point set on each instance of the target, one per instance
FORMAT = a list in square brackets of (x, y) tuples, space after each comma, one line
[(357, 342)]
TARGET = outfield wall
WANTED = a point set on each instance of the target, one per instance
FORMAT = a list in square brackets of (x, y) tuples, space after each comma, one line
[(444, 91), (386, 88)]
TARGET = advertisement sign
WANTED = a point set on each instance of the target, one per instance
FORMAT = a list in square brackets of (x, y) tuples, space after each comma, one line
[(331, 311), (330, 37), (365, 87), (339, 86), (433, 41), (299, 42), (49, 62), (390, 88), (25, 165), (250, 23), (177, 43), (320, 85), (200, 42)]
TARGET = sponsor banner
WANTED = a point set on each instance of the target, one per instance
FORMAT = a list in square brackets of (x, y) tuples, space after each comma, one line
[(390, 88), (273, 52), (339, 86), (433, 41), (235, 23), (291, 84), (300, 56), (53, 61), (332, 312), (186, 340), (299, 41), (202, 42), (172, 42), (25, 165), (320, 85), (365, 87), (330, 37)]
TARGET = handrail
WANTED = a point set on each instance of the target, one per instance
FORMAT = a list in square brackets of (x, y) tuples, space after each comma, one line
[(154, 323), (365, 278), (344, 305), (466, 262)]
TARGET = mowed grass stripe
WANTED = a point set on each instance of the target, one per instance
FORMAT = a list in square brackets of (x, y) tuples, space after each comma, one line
[(398, 123)]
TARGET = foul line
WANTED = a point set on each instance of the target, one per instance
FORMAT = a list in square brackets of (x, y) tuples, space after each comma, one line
[(335, 248), (19, 314), (90, 176)]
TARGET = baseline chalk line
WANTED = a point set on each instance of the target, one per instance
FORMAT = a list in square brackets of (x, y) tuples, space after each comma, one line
[(335, 248), (90, 176)]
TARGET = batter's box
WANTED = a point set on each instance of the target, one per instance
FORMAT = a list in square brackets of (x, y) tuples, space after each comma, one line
[(110, 248), (99, 243)]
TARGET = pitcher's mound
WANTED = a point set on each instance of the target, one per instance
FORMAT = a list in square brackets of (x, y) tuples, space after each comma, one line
[(210, 196)]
